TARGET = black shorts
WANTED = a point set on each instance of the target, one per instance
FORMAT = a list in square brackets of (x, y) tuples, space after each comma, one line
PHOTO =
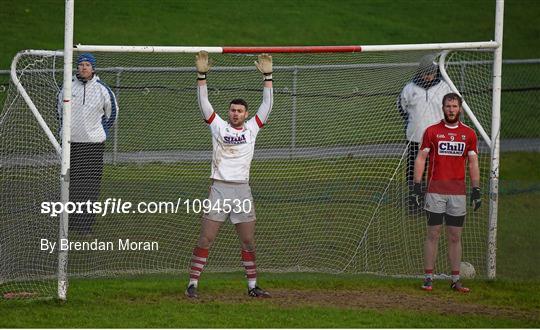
[(436, 219)]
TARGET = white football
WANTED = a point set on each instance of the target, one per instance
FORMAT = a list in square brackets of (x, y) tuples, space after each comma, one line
[(466, 270)]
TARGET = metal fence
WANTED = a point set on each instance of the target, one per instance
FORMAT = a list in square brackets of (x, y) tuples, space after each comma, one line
[(520, 103)]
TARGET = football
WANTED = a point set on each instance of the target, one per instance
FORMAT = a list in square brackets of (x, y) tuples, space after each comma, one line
[(466, 270)]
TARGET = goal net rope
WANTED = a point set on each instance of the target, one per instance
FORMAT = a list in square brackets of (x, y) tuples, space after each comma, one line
[(328, 175)]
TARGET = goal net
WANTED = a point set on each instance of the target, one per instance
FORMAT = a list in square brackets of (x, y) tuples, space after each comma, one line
[(328, 176)]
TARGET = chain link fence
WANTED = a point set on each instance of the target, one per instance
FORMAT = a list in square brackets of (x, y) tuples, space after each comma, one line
[(520, 104), (520, 99)]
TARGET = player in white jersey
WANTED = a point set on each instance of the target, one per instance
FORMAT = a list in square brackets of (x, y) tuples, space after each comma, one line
[(233, 145)]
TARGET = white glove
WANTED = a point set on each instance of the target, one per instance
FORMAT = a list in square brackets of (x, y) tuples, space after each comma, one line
[(264, 64), (202, 64)]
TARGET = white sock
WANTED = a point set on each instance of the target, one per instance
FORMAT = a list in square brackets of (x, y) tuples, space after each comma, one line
[(194, 282), (252, 284), (455, 278)]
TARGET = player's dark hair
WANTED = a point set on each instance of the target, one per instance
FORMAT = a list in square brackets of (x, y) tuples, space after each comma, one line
[(240, 102), (452, 96)]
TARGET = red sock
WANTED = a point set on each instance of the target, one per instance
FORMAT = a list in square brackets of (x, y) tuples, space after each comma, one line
[(455, 276), (198, 261), (248, 260)]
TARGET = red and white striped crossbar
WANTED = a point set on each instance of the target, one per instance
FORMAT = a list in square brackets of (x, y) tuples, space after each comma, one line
[(286, 49)]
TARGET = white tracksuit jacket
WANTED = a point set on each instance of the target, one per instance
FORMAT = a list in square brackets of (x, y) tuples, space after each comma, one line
[(93, 112), (421, 107)]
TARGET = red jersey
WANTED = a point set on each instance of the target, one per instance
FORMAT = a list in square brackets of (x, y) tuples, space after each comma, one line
[(448, 149)]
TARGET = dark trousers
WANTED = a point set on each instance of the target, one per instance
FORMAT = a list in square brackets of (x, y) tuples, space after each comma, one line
[(85, 182)]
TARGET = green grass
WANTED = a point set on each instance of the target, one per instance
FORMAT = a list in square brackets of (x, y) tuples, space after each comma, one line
[(286, 23), (300, 300), (520, 166), (39, 24), (518, 245), (166, 105), (313, 207), (313, 195), (519, 109), (158, 302), (510, 301)]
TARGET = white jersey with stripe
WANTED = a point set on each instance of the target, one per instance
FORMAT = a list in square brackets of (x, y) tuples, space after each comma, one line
[(233, 148)]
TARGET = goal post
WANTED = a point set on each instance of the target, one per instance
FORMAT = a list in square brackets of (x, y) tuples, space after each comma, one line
[(66, 147), (328, 175), (443, 48), (330, 195), (495, 138)]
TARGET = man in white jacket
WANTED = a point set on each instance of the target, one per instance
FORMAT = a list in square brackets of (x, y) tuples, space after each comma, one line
[(420, 107), (94, 110), (233, 143)]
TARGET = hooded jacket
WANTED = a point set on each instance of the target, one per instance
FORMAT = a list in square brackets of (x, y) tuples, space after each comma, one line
[(93, 111), (420, 105)]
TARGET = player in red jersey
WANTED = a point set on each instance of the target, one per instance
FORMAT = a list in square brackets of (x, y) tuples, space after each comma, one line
[(449, 145)]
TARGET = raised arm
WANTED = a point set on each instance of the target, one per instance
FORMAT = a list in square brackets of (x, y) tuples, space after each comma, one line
[(203, 65), (264, 65)]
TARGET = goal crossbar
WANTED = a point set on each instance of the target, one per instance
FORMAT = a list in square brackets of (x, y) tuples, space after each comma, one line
[(141, 80), (286, 49), (446, 47)]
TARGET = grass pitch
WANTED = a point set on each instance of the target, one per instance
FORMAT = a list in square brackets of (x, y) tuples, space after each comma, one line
[(302, 300), (319, 300), (299, 300)]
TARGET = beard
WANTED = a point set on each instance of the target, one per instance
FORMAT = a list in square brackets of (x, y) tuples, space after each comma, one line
[(452, 121)]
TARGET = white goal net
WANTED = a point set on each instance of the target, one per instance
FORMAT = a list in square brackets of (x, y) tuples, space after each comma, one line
[(328, 176)]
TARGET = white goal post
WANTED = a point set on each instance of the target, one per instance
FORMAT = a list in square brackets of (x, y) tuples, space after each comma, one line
[(333, 180)]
